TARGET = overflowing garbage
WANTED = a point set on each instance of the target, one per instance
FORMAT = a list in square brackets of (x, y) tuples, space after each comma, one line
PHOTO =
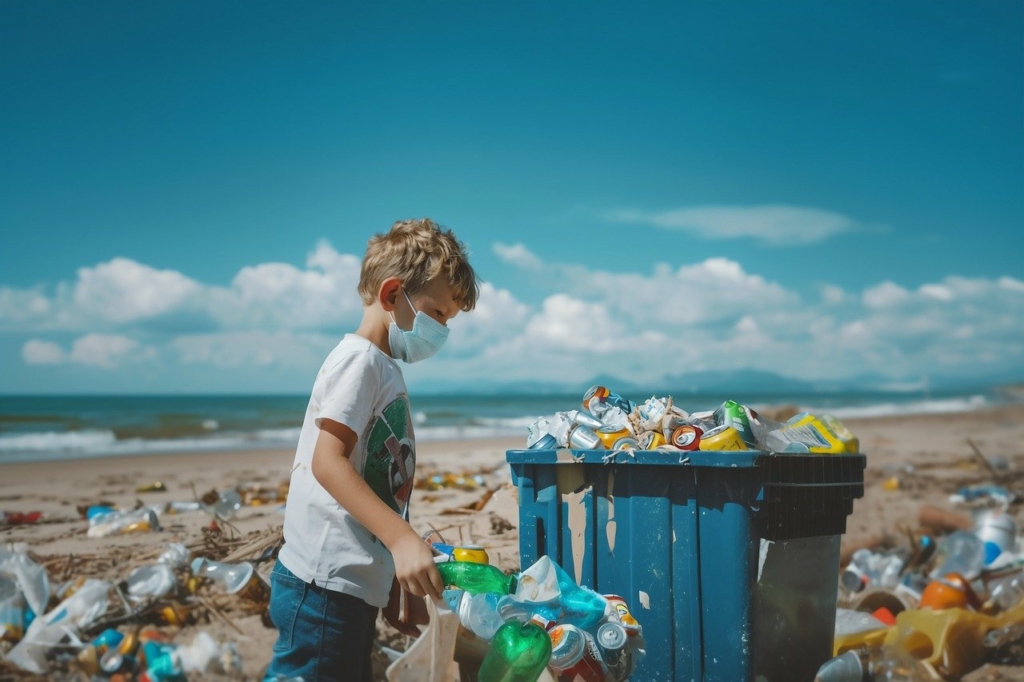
[(538, 618), (936, 606), (610, 422), (123, 616)]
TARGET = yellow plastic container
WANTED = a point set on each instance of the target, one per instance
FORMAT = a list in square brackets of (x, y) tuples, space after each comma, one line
[(950, 639), (856, 640)]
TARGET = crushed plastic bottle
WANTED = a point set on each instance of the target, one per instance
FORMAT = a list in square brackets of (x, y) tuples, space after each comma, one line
[(960, 552), (151, 582), (67, 618), (241, 579), (30, 577), (478, 613), (122, 522), (222, 505), (874, 665), (546, 589)]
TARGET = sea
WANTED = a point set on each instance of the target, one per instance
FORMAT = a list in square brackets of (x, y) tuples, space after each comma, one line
[(41, 428)]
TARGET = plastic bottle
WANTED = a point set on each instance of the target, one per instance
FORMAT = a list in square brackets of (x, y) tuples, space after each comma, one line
[(476, 578), (241, 579), (30, 577), (519, 652), (961, 552), (12, 610), (150, 582), (477, 613), (874, 664), (122, 522)]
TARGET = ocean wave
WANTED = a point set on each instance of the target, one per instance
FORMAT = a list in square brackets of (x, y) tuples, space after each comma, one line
[(892, 409), (31, 447)]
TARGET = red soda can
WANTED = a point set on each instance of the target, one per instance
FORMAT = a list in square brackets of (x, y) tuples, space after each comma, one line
[(686, 437), (575, 655)]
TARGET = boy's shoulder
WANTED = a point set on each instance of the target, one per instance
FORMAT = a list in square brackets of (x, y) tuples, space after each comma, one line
[(357, 349)]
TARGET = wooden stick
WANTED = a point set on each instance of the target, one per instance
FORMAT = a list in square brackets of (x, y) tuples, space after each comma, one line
[(938, 519), (253, 547), (215, 611), (984, 460)]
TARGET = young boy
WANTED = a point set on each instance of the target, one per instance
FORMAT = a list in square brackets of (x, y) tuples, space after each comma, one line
[(348, 546)]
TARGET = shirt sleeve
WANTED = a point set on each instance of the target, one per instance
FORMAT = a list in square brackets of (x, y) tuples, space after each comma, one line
[(350, 392)]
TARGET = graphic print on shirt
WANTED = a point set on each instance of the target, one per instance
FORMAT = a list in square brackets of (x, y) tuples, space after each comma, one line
[(391, 454)]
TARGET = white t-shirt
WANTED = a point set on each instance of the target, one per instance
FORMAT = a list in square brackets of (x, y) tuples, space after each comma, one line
[(361, 387)]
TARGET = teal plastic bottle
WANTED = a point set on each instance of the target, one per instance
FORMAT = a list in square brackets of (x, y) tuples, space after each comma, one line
[(519, 652), (476, 578)]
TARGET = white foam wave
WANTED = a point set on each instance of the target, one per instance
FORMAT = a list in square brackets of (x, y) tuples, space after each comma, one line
[(62, 441), (939, 406), (27, 447)]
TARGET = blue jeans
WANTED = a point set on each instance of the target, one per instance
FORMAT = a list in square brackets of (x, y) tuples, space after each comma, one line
[(322, 634)]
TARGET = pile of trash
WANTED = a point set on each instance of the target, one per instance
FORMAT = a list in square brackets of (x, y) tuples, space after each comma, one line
[(936, 606), (610, 422), (539, 618), (117, 616)]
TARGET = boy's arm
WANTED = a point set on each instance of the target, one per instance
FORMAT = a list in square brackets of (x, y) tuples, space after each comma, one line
[(414, 562)]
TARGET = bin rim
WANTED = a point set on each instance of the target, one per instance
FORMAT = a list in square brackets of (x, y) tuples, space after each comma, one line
[(698, 458)]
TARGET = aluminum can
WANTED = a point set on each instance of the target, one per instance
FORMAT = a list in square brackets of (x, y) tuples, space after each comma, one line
[(575, 655), (546, 442), (731, 413), (583, 438), (722, 438), (626, 443), (602, 395), (998, 531), (611, 640), (651, 440), (618, 608), (584, 418), (686, 437), (609, 435)]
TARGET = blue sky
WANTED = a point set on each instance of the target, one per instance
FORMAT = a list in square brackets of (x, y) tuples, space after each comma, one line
[(821, 189)]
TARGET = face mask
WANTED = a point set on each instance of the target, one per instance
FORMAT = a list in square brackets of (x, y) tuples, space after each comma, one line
[(424, 339)]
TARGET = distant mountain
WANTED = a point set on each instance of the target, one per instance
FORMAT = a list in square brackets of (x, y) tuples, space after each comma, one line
[(745, 380), (735, 382)]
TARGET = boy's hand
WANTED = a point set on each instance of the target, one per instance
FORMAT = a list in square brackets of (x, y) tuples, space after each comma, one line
[(404, 611), (414, 567)]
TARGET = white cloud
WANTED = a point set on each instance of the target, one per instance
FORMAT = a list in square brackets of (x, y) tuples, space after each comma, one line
[(778, 225), (884, 295), (38, 352), (939, 292), (518, 255), (123, 290), (1011, 284), (104, 350), (711, 314)]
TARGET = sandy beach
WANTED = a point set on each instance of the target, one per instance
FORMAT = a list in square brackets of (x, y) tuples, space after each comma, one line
[(929, 456)]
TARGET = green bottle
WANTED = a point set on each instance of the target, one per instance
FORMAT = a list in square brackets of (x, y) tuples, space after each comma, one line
[(519, 652), (476, 578)]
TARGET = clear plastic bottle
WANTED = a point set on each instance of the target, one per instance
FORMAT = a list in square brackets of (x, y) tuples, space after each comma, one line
[(121, 522), (888, 664), (961, 552)]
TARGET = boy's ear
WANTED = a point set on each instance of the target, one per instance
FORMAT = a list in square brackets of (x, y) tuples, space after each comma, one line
[(388, 294)]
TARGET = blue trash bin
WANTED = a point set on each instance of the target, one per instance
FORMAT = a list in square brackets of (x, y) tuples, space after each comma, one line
[(729, 560)]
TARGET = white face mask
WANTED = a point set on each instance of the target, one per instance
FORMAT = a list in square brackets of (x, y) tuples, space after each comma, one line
[(424, 339)]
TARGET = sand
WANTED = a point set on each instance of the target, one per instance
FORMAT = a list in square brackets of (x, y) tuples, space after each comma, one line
[(929, 455)]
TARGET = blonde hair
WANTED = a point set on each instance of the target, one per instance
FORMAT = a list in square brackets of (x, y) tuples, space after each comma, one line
[(417, 251)]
